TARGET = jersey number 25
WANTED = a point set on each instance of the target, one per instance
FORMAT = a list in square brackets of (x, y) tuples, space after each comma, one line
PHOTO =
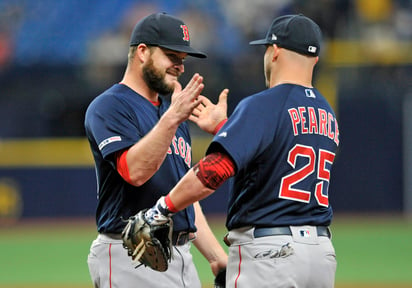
[(287, 190)]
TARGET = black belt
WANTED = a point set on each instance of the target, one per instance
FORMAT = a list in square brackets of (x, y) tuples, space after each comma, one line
[(181, 238), (178, 238), (273, 231)]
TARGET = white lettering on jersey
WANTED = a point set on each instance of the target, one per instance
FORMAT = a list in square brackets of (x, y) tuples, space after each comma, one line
[(180, 147), (306, 120)]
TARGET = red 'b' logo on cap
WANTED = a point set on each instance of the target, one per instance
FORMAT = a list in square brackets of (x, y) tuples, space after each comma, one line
[(185, 32)]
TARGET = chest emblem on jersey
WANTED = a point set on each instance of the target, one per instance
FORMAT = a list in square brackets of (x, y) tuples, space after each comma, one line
[(180, 147)]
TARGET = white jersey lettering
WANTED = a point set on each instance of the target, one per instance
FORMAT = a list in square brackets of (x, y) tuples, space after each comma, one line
[(180, 147), (306, 120)]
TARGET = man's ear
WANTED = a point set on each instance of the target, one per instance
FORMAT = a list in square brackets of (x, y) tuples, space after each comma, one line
[(143, 52), (276, 51)]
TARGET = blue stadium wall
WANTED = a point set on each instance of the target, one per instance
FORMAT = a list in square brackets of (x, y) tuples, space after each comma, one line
[(55, 177)]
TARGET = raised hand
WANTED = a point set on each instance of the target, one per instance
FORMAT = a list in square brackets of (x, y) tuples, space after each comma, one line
[(208, 115), (184, 101)]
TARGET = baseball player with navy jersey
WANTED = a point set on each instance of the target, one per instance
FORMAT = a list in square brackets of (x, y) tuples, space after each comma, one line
[(277, 148), (142, 147)]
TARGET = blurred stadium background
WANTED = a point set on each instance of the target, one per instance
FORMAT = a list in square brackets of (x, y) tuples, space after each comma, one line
[(56, 56)]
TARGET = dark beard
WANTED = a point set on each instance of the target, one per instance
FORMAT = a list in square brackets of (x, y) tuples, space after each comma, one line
[(155, 80)]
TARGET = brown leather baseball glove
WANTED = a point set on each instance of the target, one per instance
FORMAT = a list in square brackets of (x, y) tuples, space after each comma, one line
[(147, 238)]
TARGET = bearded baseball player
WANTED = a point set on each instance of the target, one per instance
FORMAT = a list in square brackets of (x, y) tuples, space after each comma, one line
[(278, 148), (141, 147)]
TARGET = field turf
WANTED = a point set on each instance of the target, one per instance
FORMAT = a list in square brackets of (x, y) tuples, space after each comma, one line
[(371, 252)]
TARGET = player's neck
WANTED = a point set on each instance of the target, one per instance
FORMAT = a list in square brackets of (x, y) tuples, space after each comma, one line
[(307, 84), (302, 80), (139, 86), (292, 68), (296, 76)]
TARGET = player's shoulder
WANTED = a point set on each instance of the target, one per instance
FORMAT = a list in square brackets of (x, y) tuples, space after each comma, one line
[(267, 96), (113, 93), (113, 96), (299, 93), (108, 100), (278, 91)]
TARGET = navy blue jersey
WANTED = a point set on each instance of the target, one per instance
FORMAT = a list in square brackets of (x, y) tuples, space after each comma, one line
[(116, 120), (283, 142)]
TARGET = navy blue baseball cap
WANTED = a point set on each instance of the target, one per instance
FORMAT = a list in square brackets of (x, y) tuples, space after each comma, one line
[(294, 32), (165, 31)]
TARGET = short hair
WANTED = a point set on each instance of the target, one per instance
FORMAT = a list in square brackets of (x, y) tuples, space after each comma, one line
[(133, 49)]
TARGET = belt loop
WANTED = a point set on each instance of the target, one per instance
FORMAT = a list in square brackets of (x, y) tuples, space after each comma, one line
[(226, 240), (182, 237), (192, 236), (329, 232)]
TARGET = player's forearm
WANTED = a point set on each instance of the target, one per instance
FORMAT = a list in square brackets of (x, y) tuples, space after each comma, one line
[(202, 180), (146, 156), (188, 190), (207, 244)]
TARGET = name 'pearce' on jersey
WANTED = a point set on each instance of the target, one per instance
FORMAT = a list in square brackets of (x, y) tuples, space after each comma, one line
[(308, 120)]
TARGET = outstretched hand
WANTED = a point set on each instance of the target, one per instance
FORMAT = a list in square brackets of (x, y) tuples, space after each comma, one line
[(184, 101), (208, 115)]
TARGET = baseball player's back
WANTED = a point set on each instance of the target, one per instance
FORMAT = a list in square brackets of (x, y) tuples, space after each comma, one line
[(282, 150), (279, 209)]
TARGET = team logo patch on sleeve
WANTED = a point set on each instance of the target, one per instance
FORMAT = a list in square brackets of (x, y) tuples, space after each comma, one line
[(108, 141)]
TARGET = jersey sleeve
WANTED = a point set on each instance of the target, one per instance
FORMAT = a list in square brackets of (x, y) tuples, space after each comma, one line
[(111, 126), (246, 134)]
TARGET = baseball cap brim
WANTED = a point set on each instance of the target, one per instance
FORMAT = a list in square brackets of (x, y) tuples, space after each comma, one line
[(260, 42), (186, 49)]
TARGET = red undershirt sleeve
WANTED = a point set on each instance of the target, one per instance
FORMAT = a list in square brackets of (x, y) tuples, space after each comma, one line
[(217, 128), (121, 166), (121, 162), (214, 169)]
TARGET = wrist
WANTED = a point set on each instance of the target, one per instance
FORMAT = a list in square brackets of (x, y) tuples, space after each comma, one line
[(170, 120), (165, 206), (218, 126), (173, 118)]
